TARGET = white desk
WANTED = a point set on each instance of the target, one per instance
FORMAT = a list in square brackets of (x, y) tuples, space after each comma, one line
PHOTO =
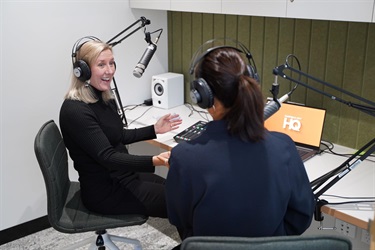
[(149, 115), (360, 182)]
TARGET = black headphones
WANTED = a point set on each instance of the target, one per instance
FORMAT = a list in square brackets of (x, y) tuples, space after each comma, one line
[(81, 69), (200, 92)]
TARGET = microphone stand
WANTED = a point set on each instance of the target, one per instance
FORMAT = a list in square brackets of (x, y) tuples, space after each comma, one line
[(143, 22), (346, 166), (367, 109)]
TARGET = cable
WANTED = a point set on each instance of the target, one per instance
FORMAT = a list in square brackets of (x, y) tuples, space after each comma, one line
[(347, 197), (141, 114), (331, 146), (361, 200), (134, 106), (192, 110), (350, 202), (203, 114), (299, 67)]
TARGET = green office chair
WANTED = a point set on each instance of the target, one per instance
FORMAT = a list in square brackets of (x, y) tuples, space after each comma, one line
[(66, 213), (267, 243)]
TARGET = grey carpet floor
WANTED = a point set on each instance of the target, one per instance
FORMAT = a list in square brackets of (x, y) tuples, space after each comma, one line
[(154, 235)]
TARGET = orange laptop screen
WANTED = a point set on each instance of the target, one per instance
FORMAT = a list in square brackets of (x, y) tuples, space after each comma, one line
[(303, 124)]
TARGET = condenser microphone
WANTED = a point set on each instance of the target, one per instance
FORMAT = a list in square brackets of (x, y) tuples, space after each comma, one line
[(273, 106), (145, 59)]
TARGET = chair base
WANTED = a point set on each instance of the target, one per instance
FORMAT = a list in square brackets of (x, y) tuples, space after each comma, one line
[(103, 240)]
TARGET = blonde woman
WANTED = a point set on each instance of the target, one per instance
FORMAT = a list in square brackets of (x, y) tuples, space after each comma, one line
[(112, 180)]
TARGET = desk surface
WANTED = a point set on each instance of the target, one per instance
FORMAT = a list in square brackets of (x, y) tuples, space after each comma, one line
[(148, 115), (360, 182)]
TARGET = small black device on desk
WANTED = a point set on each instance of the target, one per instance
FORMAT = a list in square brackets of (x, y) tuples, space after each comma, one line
[(191, 132)]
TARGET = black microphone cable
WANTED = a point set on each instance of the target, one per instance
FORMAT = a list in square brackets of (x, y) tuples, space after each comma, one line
[(148, 35), (299, 68)]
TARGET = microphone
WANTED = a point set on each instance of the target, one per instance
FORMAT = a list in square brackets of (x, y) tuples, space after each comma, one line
[(145, 59), (273, 106)]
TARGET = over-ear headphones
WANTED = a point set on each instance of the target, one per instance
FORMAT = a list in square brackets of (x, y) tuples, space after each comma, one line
[(81, 69), (200, 92)]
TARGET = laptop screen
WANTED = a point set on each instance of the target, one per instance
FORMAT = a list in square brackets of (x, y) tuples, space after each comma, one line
[(303, 124)]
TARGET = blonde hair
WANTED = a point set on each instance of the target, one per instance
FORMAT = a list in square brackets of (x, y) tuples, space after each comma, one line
[(79, 90)]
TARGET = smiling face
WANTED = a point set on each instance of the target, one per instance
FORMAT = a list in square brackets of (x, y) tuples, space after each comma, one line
[(103, 70)]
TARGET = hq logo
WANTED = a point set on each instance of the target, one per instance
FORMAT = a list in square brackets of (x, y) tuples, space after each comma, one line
[(292, 123)]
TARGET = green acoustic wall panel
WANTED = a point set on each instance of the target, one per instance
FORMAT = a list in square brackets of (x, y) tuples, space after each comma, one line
[(340, 53)]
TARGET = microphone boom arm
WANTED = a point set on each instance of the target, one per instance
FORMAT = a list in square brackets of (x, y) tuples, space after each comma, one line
[(115, 91), (143, 21), (361, 154), (366, 109)]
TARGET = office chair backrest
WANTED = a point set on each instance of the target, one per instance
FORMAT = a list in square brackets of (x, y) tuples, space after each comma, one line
[(53, 161), (267, 243)]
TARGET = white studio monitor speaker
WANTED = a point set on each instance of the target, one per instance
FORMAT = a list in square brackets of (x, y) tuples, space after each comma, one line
[(167, 90)]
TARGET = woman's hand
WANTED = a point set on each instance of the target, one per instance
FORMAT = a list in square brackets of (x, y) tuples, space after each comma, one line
[(161, 159), (167, 123)]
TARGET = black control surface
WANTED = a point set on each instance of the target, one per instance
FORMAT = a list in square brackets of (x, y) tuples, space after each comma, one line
[(191, 132)]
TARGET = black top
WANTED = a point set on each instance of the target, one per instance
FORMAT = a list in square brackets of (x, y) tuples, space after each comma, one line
[(220, 185), (95, 138)]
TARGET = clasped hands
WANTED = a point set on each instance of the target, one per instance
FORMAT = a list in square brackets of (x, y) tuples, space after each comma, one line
[(162, 159)]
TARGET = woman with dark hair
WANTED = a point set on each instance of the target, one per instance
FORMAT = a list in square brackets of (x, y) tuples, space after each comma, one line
[(237, 178)]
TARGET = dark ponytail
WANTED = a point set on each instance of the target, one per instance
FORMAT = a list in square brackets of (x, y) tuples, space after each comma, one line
[(226, 73), (245, 117)]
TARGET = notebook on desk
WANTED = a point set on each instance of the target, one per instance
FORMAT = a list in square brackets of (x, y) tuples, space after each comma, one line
[(303, 124)]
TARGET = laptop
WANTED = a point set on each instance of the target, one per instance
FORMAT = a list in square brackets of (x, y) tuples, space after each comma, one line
[(302, 123)]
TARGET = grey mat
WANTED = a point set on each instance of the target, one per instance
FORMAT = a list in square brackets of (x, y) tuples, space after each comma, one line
[(155, 234)]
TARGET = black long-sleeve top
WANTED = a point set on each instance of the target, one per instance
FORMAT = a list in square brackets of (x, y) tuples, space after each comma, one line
[(96, 139)]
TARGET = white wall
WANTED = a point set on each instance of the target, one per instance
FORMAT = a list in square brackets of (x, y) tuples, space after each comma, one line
[(36, 43)]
